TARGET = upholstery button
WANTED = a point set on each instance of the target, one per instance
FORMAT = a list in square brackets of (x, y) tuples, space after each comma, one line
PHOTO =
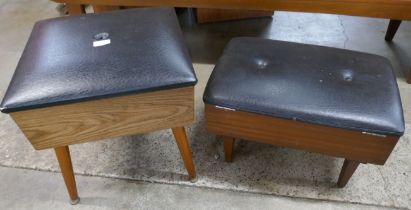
[(262, 64), (347, 75)]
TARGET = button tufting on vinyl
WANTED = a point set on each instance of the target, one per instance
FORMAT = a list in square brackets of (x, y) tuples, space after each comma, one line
[(261, 64), (347, 75), (331, 87)]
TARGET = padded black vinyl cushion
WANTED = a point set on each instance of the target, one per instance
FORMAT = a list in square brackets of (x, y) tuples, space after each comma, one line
[(313, 84), (60, 65)]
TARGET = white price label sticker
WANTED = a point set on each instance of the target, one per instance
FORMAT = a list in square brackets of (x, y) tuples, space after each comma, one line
[(100, 43)]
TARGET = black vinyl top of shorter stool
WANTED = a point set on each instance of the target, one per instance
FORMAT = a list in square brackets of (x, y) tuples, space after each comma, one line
[(314, 84), (60, 64)]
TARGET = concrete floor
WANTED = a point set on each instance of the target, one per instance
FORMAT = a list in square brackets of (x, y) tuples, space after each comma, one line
[(28, 189), (32, 189)]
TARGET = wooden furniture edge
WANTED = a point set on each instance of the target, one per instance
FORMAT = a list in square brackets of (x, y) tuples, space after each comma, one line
[(204, 15), (398, 9), (92, 120), (75, 9), (408, 79), (104, 8), (352, 145)]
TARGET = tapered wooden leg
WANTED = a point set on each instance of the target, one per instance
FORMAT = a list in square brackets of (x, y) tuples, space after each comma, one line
[(75, 9), (228, 148), (347, 171), (183, 146), (64, 159), (409, 77), (392, 29)]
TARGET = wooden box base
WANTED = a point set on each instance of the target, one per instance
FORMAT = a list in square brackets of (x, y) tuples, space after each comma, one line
[(74, 123), (352, 145)]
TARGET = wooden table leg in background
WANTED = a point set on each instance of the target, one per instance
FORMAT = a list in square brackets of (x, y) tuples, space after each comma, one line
[(75, 9), (392, 29), (409, 77), (64, 159), (184, 147), (347, 171)]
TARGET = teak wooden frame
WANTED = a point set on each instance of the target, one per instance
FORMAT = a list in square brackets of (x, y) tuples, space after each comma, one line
[(391, 9), (215, 15), (356, 147), (63, 125)]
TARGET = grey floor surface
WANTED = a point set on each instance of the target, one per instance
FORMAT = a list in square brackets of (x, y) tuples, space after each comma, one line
[(43, 190), (262, 177)]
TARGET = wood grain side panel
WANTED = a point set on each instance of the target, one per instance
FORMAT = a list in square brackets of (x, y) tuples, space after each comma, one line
[(337, 142), (106, 118), (390, 9)]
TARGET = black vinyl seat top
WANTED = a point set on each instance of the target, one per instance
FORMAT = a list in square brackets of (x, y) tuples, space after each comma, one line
[(313, 84), (70, 59)]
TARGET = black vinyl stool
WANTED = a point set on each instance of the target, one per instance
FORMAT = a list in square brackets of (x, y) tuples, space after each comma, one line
[(97, 76), (320, 99)]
